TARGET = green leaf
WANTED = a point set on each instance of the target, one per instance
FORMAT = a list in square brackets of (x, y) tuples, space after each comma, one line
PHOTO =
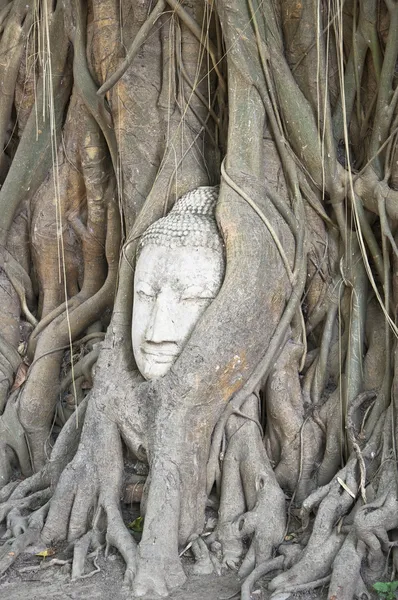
[(137, 525), (393, 586), (381, 586)]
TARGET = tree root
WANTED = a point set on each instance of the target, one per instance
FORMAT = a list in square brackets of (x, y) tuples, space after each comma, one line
[(11, 550), (29, 502), (85, 508), (205, 561), (371, 524), (272, 564), (318, 556), (310, 585), (346, 576), (266, 522), (139, 39), (12, 436), (248, 484)]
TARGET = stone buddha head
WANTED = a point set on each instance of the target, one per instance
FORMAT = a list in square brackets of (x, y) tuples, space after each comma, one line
[(179, 271)]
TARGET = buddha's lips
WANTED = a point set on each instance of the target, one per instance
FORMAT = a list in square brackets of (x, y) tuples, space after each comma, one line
[(159, 355)]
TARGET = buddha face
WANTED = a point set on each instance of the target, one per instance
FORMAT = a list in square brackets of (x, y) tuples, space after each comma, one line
[(172, 289)]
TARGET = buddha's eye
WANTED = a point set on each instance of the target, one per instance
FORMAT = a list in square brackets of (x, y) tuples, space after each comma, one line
[(146, 294), (196, 295), (194, 299)]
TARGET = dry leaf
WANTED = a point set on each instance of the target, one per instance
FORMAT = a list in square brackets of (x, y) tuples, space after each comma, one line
[(46, 552), (20, 376), (345, 486)]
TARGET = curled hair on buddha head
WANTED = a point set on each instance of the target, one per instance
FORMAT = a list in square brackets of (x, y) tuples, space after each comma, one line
[(191, 222)]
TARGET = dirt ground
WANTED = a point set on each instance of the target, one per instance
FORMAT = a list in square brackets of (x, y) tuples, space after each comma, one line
[(27, 579), (51, 583), (32, 578)]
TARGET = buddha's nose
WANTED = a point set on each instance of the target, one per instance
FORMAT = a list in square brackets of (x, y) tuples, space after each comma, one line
[(161, 326)]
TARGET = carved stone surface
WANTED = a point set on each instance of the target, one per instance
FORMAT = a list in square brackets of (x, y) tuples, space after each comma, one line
[(179, 272)]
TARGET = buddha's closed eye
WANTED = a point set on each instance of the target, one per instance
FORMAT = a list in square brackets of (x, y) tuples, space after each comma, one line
[(145, 291), (197, 293)]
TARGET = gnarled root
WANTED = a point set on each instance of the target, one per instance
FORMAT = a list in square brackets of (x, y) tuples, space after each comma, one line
[(325, 541), (12, 437), (266, 522), (346, 578), (87, 497), (262, 569), (371, 524), (24, 493), (159, 569), (248, 483)]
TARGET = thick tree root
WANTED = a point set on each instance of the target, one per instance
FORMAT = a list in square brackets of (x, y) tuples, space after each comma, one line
[(302, 587), (156, 577), (248, 484), (159, 569), (265, 523), (273, 564), (12, 436), (318, 556), (346, 578), (371, 524), (86, 501), (30, 502), (205, 561)]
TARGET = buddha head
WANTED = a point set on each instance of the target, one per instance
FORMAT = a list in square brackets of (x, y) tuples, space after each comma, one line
[(179, 271)]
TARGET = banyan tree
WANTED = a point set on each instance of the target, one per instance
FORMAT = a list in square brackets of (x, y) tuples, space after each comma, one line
[(279, 411)]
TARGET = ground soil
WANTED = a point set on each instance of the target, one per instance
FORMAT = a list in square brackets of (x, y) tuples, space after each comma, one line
[(27, 579), (31, 578)]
